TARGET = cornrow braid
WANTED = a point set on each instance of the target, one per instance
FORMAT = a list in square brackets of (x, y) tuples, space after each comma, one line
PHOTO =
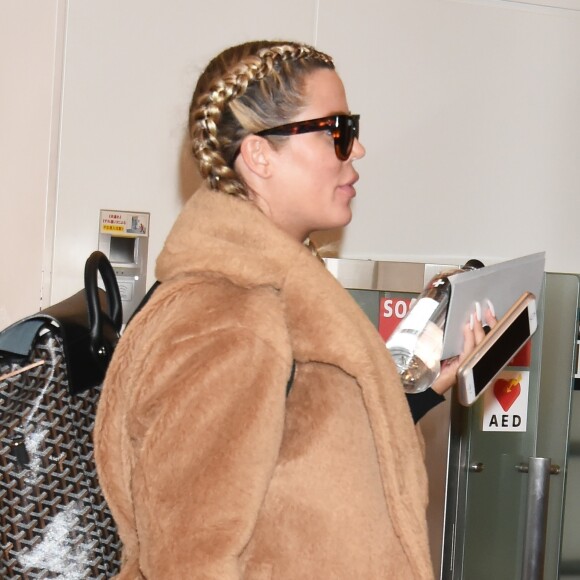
[(245, 89)]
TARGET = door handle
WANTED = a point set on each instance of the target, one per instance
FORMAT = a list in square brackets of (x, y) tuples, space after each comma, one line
[(539, 470)]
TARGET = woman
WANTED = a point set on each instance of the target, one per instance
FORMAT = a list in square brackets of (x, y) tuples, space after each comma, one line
[(210, 468)]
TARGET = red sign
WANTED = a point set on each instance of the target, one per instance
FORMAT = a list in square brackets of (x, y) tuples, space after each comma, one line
[(392, 311), (524, 356)]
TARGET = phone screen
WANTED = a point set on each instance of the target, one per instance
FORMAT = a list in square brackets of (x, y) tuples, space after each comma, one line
[(502, 351)]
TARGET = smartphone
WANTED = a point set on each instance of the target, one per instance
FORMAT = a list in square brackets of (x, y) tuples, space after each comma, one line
[(498, 347)]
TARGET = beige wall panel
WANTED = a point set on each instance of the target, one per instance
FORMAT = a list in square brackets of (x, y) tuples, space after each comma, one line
[(129, 73), (470, 119), (29, 60)]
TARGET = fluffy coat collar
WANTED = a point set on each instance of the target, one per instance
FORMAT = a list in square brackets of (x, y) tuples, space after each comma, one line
[(221, 235)]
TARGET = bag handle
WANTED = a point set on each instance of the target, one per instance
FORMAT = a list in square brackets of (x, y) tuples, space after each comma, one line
[(96, 263)]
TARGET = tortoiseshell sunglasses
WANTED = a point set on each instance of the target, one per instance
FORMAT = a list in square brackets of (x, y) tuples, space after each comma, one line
[(343, 128)]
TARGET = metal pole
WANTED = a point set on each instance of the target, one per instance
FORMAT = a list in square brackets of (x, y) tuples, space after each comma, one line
[(536, 518)]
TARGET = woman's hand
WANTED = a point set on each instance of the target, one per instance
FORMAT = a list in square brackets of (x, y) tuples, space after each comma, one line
[(473, 333)]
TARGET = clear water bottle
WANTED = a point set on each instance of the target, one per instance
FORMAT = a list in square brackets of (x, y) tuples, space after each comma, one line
[(416, 344)]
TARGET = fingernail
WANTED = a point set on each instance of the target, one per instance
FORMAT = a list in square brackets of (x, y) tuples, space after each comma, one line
[(491, 308), (478, 311), (471, 322)]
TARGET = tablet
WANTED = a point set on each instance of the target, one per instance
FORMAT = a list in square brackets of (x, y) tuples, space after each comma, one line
[(501, 283)]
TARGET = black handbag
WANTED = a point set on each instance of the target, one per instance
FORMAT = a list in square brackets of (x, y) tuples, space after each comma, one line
[(54, 521)]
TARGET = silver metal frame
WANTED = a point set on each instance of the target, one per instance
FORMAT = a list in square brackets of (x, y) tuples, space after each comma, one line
[(383, 276)]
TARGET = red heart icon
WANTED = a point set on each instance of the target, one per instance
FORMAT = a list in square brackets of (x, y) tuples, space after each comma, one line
[(507, 391)]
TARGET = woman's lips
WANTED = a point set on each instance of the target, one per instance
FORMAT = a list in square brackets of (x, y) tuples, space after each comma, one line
[(349, 187)]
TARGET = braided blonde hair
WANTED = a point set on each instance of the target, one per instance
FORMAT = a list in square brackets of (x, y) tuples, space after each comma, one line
[(245, 89)]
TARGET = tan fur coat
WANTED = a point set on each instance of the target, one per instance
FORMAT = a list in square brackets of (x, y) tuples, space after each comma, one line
[(210, 471)]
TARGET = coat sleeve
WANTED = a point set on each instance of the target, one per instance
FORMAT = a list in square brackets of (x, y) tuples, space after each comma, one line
[(208, 455)]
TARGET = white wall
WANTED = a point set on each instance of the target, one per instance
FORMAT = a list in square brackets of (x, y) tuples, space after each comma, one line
[(471, 121), (469, 115), (130, 70), (30, 81)]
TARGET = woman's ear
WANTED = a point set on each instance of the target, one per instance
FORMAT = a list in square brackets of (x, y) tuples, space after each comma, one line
[(254, 157)]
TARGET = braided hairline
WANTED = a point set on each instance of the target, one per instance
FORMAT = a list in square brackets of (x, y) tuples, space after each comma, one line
[(211, 105)]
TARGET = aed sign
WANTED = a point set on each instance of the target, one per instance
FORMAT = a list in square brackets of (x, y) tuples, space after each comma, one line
[(505, 402), (391, 312)]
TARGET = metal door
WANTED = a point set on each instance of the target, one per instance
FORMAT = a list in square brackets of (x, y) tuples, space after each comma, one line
[(505, 490), (496, 498)]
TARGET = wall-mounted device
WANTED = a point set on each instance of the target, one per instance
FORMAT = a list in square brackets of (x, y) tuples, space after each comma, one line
[(124, 239)]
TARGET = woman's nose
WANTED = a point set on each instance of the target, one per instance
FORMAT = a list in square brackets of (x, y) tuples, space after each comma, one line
[(358, 151)]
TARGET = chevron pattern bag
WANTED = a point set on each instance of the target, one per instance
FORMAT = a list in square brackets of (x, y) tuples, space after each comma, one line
[(54, 522)]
